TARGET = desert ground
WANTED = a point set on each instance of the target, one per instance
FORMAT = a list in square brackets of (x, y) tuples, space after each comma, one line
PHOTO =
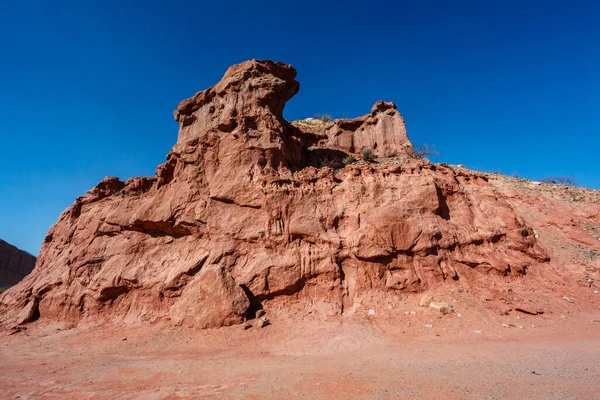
[(383, 355)]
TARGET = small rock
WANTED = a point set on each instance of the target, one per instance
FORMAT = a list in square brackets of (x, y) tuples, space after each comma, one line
[(512, 325), (425, 301), (521, 327), (444, 308), (459, 315), (263, 322), (505, 325), (479, 332), (17, 329), (596, 320), (533, 326), (246, 325), (124, 339), (568, 299), (429, 326), (596, 291), (260, 313), (371, 312), (413, 313)]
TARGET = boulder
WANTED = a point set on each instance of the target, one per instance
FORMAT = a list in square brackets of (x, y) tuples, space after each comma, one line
[(211, 300)]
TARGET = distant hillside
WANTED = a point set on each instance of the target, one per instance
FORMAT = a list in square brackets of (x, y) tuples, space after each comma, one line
[(15, 264)]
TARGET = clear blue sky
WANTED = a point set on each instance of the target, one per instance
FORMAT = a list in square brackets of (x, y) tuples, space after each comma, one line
[(88, 87)]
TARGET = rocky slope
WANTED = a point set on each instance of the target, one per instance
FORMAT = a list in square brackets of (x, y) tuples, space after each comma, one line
[(250, 210), (15, 264)]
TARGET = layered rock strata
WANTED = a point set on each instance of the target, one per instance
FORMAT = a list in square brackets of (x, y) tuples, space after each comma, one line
[(249, 208)]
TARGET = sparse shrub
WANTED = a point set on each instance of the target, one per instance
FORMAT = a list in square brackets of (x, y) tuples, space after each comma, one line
[(349, 160), (516, 175), (323, 117), (423, 150), (368, 155), (563, 180)]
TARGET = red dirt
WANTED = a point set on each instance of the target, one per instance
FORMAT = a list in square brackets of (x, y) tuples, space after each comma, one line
[(364, 357)]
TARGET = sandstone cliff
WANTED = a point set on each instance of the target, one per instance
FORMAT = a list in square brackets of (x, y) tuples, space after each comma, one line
[(249, 209)]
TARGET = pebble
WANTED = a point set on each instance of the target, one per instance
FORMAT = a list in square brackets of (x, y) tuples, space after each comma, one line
[(413, 313), (263, 322), (478, 332), (504, 325), (568, 299), (425, 301), (596, 291), (429, 326), (371, 312), (459, 315), (442, 307), (260, 313), (246, 325)]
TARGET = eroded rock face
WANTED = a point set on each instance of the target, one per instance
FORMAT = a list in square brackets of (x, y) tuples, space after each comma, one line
[(382, 131), (240, 214), (15, 264)]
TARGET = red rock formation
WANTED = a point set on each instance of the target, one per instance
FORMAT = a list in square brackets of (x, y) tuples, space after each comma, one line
[(382, 131), (15, 264), (245, 212)]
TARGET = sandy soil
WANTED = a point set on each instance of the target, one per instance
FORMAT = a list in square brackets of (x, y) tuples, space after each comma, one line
[(551, 356)]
